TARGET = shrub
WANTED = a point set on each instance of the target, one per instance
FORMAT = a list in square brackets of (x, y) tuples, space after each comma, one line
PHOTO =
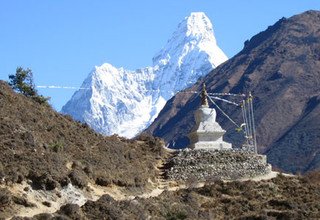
[(176, 215), (56, 146), (5, 197)]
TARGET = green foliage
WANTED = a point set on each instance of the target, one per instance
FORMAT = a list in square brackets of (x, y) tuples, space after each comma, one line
[(41, 99), (57, 146), (22, 82)]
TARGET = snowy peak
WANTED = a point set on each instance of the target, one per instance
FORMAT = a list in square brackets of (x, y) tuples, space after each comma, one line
[(191, 52), (194, 33), (197, 25), (125, 102)]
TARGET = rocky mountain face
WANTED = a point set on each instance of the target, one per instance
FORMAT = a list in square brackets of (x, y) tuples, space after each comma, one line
[(116, 100), (281, 66)]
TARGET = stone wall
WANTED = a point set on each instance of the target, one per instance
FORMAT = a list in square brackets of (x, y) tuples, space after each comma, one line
[(202, 165)]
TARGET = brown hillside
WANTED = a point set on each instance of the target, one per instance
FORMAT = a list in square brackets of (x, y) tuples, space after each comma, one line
[(50, 149), (279, 198), (281, 66)]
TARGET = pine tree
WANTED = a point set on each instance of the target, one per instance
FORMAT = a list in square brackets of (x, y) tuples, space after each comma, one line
[(22, 82)]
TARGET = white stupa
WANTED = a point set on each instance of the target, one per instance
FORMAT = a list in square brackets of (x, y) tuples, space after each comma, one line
[(207, 133)]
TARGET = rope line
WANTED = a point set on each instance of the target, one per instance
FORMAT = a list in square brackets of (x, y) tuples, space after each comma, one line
[(248, 116), (253, 127), (60, 87), (224, 100), (192, 92), (225, 114), (228, 94), (245, 122)]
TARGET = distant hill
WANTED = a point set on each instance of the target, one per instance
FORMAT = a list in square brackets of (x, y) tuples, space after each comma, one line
[(281, 66)]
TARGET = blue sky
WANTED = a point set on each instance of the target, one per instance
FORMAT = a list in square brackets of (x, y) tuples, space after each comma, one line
[(62, 40)]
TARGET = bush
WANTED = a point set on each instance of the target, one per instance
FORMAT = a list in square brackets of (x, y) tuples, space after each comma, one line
[(78, 179), (312, 177), (103, 181), (5, 198), (56, 146), (41, 99), (179, 215), (73, 211)]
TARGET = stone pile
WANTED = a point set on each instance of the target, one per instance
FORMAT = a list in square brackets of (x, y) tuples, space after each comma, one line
[(203, 165)]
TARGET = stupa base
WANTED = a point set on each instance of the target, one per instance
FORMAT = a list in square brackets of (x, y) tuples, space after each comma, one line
[(211, 145)]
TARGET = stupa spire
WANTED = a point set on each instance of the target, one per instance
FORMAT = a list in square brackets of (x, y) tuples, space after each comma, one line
[(204, 94)]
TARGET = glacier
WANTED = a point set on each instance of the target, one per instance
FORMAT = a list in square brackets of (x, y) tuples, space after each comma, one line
[(125, 102)]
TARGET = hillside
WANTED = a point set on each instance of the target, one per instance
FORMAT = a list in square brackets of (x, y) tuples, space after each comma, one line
[(47, 150), (279, 198), (281, 66), (43, 151)]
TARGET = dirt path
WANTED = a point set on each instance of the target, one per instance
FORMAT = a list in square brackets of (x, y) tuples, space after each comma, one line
[(271, 175)]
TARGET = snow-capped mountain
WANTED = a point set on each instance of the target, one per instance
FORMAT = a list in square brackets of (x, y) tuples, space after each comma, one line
[(124, 102)]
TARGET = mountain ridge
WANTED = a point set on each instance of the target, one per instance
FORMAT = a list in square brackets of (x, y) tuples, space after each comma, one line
[(125, 102)]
